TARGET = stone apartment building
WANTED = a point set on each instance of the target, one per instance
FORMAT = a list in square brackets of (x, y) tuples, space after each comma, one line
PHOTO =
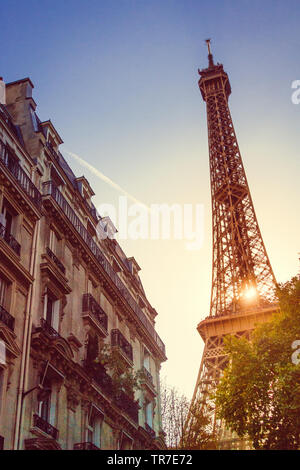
[(64, 293)]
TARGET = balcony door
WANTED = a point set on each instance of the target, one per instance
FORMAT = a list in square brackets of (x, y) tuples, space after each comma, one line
[(51, 310), (45, 401), (3, 291), (7, 219)]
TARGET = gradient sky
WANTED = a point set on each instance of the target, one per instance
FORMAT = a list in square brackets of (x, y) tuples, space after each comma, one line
[(119, 81)]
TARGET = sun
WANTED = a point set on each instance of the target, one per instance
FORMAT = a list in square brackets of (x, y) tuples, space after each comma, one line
[(249, 293)]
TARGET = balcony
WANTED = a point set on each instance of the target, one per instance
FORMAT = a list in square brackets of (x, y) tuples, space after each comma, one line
[(44, 426), (56, 260), (52, 151), (10, 240), (11, 163), (120, 399), (119, 341), (94, 314), (148, 375), (98, 373), (128, 405), (85, 446), (150, 430), (48, 329), (49, 189), (7, 319)]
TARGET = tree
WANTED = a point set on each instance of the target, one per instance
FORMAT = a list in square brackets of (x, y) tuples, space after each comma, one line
[(175, 408), (103, 357), (258, 396)]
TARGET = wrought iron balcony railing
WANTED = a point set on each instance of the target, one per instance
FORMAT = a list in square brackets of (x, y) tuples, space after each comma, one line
[(51, 190), (105, 382), (10, 240), (117, 339), (53, 152), (150, 430), (148, 375), (128, 405), (45, 426), (91, 209), (85, 446), (45, 326), (7, 318), (55, 260), (15, 169), (89, 304)]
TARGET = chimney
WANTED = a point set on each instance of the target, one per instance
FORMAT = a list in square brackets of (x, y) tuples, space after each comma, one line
[(2, 91)]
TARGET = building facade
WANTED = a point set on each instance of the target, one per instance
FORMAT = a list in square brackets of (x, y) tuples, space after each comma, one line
[(65, 292)]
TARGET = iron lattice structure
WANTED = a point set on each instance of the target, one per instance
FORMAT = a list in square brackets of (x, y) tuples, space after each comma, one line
[(242, 278)]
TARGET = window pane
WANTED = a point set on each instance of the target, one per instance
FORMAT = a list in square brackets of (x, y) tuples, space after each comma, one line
[(3, 287)]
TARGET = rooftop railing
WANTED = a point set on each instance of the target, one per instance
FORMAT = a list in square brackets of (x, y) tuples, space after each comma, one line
[(57, 155), (49, 189), (11, 163)]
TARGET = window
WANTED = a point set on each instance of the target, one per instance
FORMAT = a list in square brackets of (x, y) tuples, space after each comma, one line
[(53, 242), (92, 351), (1, 387), (3, 292), (149, 413), (7, 218), (51, 310), (34, 120), (93, 428), (126, 442), (147, 360), (45, 401)]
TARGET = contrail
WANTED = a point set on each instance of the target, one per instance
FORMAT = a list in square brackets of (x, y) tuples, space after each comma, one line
[(104, 178)]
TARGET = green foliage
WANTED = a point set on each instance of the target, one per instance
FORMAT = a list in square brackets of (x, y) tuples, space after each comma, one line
[(123, 378), (198, 434), (259, 393)]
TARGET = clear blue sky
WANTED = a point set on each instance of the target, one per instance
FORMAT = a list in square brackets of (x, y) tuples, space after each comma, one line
[(119, 81)]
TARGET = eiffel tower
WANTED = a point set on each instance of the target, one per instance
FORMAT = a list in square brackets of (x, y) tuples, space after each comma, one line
[(243, 282)]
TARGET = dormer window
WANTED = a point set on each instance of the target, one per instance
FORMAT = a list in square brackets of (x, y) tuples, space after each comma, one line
[(84, 188), (133, 266), (34, 120)]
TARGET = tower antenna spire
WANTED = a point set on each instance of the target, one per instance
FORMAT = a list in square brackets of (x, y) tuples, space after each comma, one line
[(210, 56)]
